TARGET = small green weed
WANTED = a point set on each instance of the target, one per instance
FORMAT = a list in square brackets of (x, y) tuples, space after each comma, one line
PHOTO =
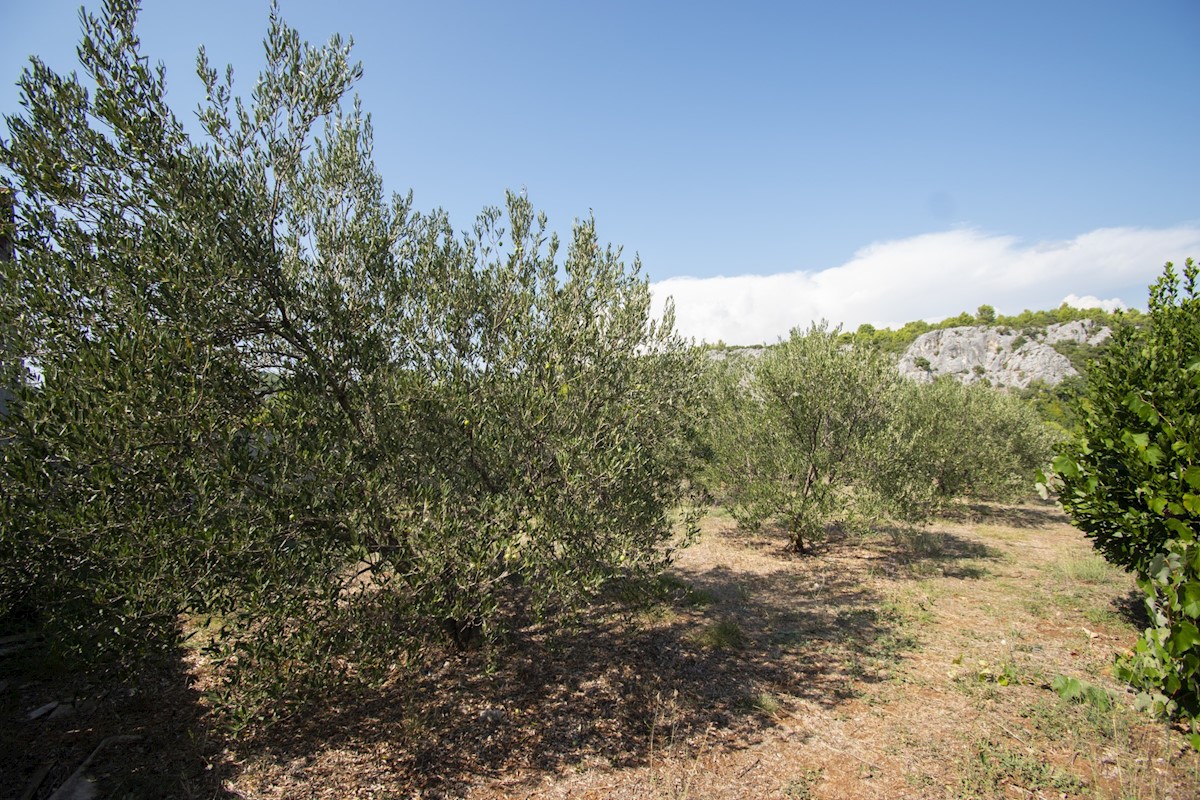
[(1002, 674), (1074, 690), (802, 788), (995, 767)]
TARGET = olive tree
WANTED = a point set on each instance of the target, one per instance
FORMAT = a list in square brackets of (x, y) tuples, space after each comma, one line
[(821, 429), (252, 392), (794, 431), (947, 441)]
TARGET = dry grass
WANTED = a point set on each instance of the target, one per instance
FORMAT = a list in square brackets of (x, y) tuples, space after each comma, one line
[(894, 664)]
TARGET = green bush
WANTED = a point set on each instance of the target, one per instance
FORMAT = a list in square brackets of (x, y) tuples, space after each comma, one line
[(1130, 478), (266, 396), (821, 430), (947, 440)]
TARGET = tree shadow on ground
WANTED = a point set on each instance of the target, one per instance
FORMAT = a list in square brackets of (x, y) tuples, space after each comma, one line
[(148, 740), (1034, 514), (717, 662), (918, 552), (1131, 608), (725, 652)]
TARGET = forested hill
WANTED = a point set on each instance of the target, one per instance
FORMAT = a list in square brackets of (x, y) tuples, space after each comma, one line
[(1006, 350), (1029, 323)]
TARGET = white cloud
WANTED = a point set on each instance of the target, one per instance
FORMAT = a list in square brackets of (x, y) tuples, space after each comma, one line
[(929, 277), (1091, 301)]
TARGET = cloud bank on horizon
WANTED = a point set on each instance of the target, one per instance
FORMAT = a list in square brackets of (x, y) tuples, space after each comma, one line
[(931, 276)]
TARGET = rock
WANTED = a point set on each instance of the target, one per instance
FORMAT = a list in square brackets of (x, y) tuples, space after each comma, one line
[(1081, 331), (735, 353), (42, 711), (1003, 356), (491, 716)]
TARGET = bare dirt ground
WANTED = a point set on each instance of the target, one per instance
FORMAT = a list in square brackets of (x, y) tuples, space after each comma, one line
[(893, 664)]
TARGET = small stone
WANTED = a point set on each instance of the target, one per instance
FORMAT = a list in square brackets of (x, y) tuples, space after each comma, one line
[(491, 716)]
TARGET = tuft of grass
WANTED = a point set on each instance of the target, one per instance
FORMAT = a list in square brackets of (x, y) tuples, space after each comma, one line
[(722, 635), (766, 703), (919, 544), (1090, 569), (671, 586)]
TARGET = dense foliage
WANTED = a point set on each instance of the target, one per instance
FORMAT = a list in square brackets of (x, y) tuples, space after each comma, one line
[(1130, 478), (252, 392), (947, 440), (818, 430)]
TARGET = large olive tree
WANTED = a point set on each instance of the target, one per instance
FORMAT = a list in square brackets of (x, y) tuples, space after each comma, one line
[(253, 392)]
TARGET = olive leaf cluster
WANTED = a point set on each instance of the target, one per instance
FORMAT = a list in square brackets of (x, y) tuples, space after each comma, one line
[(255, 399), (1130, 479)]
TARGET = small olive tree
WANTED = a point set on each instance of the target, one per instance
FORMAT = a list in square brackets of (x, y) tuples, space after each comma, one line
[(794, 431), (821, 429), (266, 396), (947, 441), (1130, 479)]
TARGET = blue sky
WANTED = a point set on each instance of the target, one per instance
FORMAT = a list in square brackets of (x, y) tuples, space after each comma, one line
[(772, 163)]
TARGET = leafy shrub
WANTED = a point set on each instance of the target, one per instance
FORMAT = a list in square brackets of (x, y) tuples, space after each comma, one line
[(947, 440), (1130, 479), (820, 431), (269, 396)]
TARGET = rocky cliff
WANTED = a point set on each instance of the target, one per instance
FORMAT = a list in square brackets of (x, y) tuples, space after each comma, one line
[(1004, 356)]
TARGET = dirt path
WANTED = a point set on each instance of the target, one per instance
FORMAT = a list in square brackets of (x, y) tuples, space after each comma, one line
[(896, 664)]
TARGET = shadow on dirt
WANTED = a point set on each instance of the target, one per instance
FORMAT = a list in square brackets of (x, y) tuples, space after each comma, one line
[(146, 740), (723, 655), (1131, 608), (918, 552), (1036, 514)]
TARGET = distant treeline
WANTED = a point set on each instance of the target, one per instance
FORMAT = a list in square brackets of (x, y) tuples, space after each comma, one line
[(897, 340)]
